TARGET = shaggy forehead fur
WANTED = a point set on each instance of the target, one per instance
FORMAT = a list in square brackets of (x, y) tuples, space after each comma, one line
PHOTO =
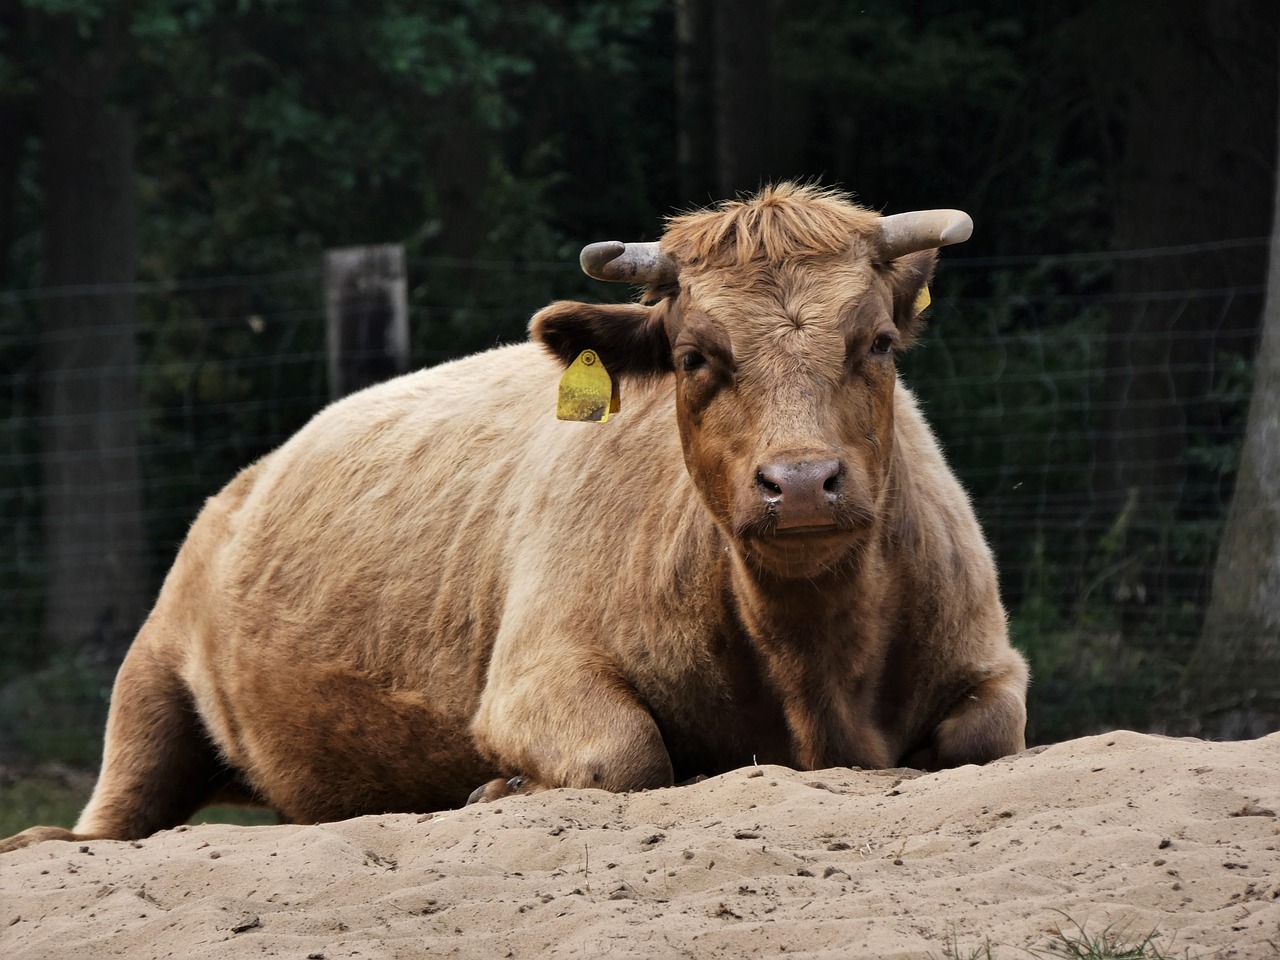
[(749, 265), (783, 222)]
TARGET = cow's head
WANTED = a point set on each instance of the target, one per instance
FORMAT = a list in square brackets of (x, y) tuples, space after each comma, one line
[(779, 317)]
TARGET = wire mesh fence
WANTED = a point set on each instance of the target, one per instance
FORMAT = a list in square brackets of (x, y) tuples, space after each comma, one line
[(1097, 426)]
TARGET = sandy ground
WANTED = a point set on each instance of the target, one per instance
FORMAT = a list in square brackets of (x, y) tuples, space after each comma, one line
[(1124, 831)]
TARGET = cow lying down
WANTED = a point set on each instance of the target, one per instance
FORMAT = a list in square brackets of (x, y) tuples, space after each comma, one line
[(437, 590)]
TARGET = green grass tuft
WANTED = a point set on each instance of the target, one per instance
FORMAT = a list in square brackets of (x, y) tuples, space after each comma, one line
[(952, 950), (1078, 944), (1110, 944)]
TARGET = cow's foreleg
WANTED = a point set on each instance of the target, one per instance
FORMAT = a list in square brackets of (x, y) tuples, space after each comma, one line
[(567, 725), (987, 723)]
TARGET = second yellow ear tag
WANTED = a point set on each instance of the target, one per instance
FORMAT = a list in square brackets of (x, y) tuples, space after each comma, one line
[(922, 300), (587, 391)]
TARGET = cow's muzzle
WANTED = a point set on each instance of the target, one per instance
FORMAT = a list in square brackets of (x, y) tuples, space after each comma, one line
[(801, 494)]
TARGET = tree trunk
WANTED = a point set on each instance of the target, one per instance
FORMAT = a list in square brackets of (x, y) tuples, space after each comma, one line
[(12, 136), (743, 88), (1234, 678), (93, 524), (695, 118), (1197, 88)]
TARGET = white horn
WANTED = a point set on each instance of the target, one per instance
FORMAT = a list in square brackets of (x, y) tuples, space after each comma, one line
[(628, 262), (905, 233)]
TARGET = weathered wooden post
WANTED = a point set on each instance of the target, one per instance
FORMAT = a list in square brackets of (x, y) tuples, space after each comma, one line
[(367, 316)]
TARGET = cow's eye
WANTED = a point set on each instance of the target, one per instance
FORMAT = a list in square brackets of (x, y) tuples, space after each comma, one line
[(882, 344), (692, 360)]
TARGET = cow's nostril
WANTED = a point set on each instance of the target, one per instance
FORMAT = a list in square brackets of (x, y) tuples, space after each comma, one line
[(767, 485), (832, 483)]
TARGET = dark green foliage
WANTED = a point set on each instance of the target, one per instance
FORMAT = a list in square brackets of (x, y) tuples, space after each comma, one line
[(21, 569), (52, 796), (58, 712)]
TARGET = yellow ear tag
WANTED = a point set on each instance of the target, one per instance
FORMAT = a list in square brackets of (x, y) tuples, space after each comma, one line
[(922, 301), (587, 391)]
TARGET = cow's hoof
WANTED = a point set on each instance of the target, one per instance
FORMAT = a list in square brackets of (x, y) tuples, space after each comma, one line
[(35, 835), (497, 789)]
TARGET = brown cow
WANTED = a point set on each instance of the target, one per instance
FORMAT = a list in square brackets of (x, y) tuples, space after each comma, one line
[(436, 584)]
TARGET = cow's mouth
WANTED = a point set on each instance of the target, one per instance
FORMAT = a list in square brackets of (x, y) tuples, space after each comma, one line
[(806, 551), (801, 546), (804, 529), (806, 532), (769, 529)]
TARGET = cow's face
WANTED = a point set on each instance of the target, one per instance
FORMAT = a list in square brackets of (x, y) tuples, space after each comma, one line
[(784, 393), (784, 398), (779, 317)]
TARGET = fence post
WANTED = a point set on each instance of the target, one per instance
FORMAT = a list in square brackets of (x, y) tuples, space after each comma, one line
[(367, 316)]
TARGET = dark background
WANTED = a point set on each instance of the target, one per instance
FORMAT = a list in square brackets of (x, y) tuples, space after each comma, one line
[(171, 174)]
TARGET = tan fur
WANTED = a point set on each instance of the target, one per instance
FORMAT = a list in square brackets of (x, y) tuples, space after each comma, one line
[(783, 222), (436, 585)]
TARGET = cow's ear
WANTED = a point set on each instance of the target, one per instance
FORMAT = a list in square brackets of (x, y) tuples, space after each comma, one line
[(908, 278), (630, 338)]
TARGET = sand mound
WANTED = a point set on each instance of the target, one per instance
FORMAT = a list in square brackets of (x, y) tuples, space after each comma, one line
[(1125, 831)]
